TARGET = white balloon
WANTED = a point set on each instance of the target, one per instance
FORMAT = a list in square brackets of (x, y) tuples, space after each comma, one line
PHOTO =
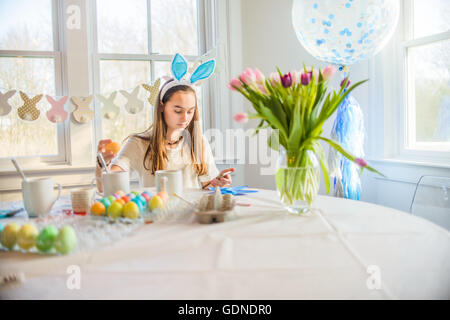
[(344, 31)]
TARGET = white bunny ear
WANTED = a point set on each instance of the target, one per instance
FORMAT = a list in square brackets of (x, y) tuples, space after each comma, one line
[(179, 66), (203, 71)]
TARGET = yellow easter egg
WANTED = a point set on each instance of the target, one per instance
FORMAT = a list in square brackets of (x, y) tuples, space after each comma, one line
[(115, 210), (9, 235), (156, 203), (131, 210), (26, 236)]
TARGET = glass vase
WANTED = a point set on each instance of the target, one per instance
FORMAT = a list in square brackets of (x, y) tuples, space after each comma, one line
[(297, 180)]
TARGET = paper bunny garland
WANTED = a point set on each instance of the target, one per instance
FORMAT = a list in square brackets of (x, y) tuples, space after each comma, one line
[(57, 113), (28, 111), (5, 107), (180, 68), (154, 90), (133, 105), (83, 113)]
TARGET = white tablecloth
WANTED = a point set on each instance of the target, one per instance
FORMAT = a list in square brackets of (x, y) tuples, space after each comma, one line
[(264, 253)]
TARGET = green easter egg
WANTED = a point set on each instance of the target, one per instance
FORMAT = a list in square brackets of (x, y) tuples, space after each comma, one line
[(9, 235), (66, 240), (46, 239), (105, 202), (111, 199)]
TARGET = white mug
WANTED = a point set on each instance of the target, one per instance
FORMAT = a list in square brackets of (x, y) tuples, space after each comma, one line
[(38, 196), (115, 181), (173, 184)]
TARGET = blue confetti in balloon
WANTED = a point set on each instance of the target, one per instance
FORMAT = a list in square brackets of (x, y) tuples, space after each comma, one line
[(366, 24)]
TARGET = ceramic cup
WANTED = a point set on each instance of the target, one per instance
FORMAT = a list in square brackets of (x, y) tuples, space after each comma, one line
[(38, 196), (173, 184), (114, 181)]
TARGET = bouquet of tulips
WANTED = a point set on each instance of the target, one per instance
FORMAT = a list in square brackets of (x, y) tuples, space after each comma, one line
[(296, 105)]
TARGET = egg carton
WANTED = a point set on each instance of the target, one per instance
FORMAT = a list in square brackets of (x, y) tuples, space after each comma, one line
[(215, 207)]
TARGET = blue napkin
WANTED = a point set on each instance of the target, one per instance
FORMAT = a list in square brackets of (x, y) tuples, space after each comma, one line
[(235, 191), (9, 213)]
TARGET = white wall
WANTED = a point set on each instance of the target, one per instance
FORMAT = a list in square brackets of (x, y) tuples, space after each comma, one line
[(268, 40)]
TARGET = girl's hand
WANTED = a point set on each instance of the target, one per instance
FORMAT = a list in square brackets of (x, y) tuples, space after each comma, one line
[(107, 155), (224, 181)]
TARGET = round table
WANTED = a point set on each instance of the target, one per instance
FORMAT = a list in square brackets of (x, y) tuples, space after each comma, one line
[(343, 249)]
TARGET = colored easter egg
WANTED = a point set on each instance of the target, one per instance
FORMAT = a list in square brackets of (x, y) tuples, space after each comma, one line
[(114, 147), (115, 210), (120, 193), (156, 203), (131, 196), (1, 229), (111, 199), (139, 204), (142, 199), (117, 196), (146, 196), (66, 240), (26, 236), (46, 239), (135, 193), (9, 235), (98, 209), (121, 201), (105, 202), (126, 199), (131, 210), (163, 195)]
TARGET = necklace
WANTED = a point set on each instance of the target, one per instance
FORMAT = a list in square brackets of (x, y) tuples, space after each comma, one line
[(171, 143)]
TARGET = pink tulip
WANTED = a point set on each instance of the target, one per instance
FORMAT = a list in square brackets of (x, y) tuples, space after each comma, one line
[(240, 117), (259, 76), (295, 76), (274, 78), (234, 84), (262, 88), (361, 162), (328, 72), (248, 76)]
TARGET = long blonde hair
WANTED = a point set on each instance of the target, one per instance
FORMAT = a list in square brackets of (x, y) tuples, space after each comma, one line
[(156, 156)]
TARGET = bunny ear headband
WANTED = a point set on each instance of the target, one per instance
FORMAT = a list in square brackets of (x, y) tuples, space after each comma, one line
[(179, 69)]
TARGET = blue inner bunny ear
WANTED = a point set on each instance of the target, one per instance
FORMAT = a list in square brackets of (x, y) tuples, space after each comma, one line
[(203, 71), (179, 66)]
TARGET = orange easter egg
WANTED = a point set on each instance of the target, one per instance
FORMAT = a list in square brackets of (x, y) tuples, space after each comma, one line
[(163, 195), (98, 209), (114, 147)]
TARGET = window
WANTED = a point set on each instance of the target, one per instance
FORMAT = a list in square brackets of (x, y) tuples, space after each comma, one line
[(427, 75), (134, 42), (30, 61)]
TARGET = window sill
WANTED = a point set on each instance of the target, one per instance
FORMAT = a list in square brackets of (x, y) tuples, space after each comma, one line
[(417, 163), (51, 169)]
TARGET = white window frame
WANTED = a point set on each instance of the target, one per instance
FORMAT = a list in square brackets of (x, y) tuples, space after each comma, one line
[(388, 112), (407, 147), (205, 11), (60, 90)]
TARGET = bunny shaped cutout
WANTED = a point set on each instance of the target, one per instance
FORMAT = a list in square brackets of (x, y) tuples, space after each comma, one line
[(5, 107), (109, 110), (154, 90), (83, 113), (133, 105), (29, 111), (180, 69), (57, 113)]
